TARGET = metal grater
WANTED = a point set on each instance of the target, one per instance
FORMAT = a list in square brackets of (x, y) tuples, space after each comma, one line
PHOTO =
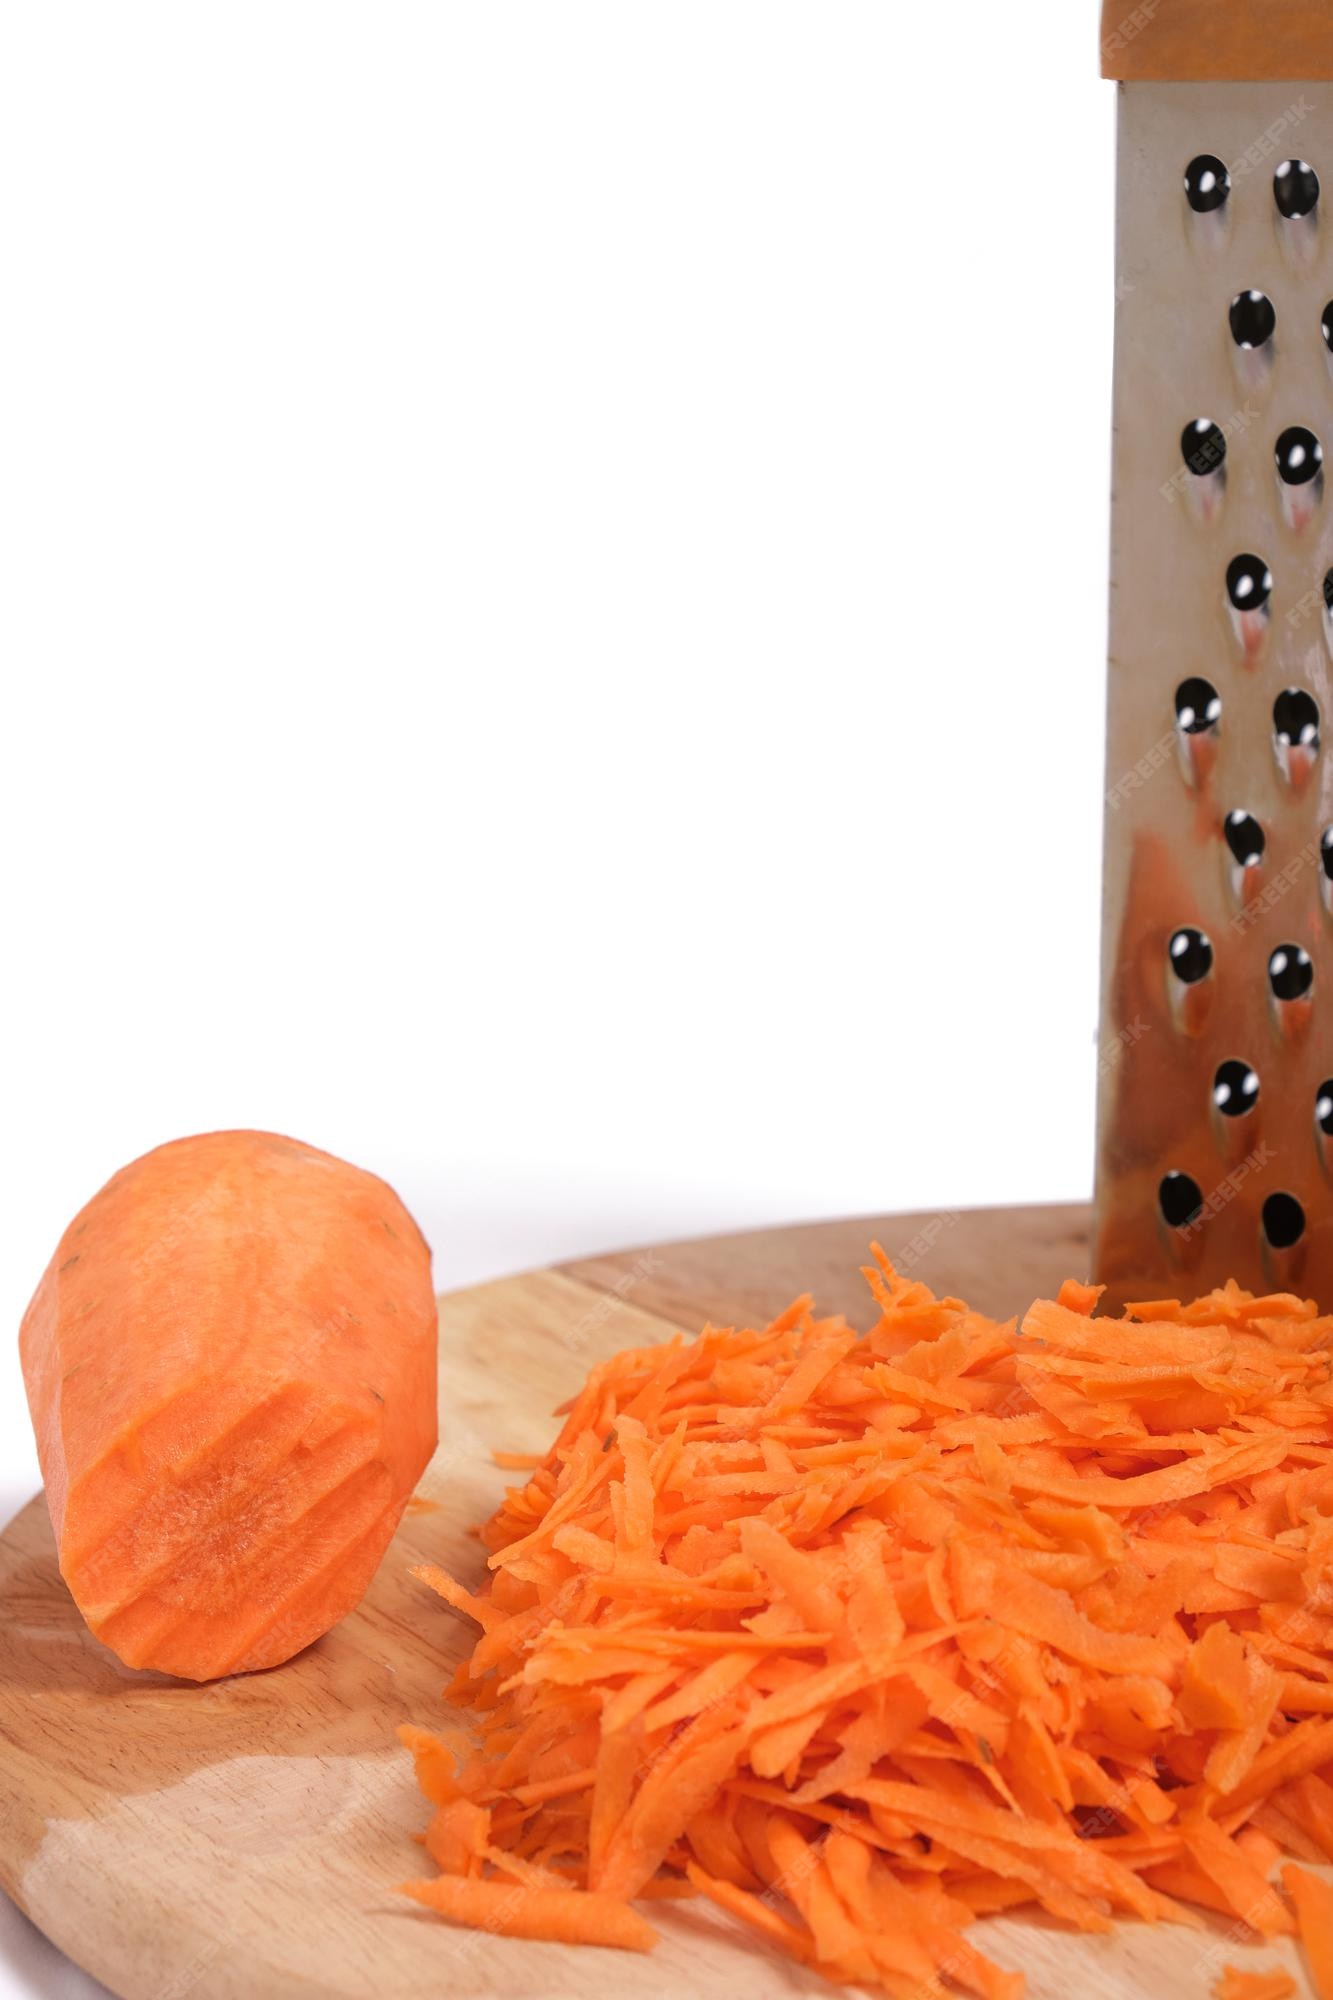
[(1215, 1122)]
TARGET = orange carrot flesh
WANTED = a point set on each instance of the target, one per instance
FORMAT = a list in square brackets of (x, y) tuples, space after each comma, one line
[(865, 1638), (1313, 1898), (230, 1365), (568, 1916), (1236, 1984)]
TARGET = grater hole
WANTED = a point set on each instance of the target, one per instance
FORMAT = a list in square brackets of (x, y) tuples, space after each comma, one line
[(1296, 719), (1295, 189), (1198, 706), (1328, 324), (1191, 955), (1323, 1108), (1245, 838), (1326, 852), (1253, 320), (1207, 183), (1249, 583), (1328, 590), (1299, 457), (1290, 972), (1284, 1221), (1235, 1089), (1180, 1200), (1203, 447)]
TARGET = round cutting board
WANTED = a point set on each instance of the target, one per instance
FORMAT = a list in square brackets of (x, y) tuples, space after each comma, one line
[(241, 1841)]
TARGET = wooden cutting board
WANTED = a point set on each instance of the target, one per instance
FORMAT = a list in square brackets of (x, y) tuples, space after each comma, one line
[(241, 1841)]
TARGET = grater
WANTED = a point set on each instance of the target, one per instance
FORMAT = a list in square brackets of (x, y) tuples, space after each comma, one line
[(1215, 1114)]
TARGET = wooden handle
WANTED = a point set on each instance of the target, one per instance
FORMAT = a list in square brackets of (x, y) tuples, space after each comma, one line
[(1217, 41)]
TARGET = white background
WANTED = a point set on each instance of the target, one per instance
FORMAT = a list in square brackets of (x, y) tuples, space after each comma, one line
[(554, 600)]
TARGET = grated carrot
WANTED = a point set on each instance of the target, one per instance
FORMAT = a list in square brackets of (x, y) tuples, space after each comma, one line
[(1313, 1897), (864, 1638), (1236, 1984), (569, 1916)]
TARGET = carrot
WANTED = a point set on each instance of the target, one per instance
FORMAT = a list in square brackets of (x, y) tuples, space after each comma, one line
[(1313, 1897), (1214, 1692), (1242, 1884), (864, 1638), (1309, 1801), (1274, 1984), (230, 1365), (569, 1915)]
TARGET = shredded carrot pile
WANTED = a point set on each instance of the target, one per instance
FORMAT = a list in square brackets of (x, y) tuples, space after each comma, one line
[(864, 1637)]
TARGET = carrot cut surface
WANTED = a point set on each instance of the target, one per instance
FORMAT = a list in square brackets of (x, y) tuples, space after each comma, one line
[(865, 1638)]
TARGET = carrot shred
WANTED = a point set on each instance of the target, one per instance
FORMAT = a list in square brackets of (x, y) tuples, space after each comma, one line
[(1313, 1898), (1309, 1801), (1272, 1984), (866, 1638), (569, 1916)]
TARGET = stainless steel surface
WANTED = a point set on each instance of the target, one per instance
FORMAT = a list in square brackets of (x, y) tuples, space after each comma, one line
[(1180, 611)]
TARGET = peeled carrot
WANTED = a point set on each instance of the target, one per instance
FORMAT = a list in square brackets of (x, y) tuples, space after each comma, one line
[(863, 1637), (230, 1365)]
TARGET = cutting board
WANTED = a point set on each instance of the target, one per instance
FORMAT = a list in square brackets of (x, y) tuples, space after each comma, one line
[(241, 1841)]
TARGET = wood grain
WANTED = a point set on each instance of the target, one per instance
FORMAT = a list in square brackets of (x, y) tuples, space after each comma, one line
[(241, 1841), (990, 1257)]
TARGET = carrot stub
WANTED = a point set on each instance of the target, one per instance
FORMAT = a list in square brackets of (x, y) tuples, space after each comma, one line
[(230, 1364)]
